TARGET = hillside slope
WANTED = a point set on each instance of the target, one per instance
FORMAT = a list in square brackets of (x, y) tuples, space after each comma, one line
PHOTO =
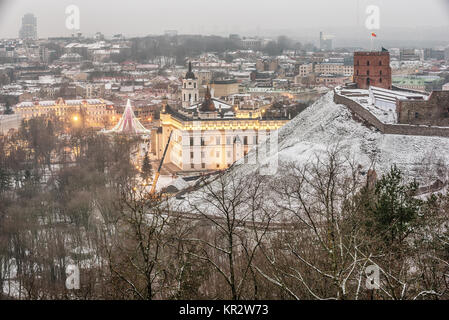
[(325, 125)]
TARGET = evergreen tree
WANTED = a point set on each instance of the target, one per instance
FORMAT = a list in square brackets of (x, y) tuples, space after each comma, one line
[(146, 168), (394, 208)]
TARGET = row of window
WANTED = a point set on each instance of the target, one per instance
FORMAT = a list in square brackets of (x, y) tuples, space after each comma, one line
[(190, 83), (203, 166), (217, 154), (190, 97), (229, 141), (368, 63), (367, 72)]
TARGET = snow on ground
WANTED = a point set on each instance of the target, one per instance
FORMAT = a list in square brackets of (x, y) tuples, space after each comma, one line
[(325, 125), (385, 115), (163, 182)]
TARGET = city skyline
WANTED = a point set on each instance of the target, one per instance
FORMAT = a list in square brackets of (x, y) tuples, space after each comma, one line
[(427, 21)]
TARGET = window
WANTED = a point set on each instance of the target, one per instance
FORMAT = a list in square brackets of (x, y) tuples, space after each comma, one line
[(357, 72), (255, 140), (380, 80), (416, 115), (228, 140), (202, 142), (203, 154), (380, 62), (367, 63), (191, 155), (228, 154), (203, 165), (194, 85), (192, 166), (380, 72), (367, 72), (217, 141), (217, 154), (245, 140), (191, 141)]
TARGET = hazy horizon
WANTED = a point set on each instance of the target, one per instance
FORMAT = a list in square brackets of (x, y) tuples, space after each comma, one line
[(408, 20)]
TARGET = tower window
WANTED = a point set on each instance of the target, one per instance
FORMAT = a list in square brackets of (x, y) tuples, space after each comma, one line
[(380, 62), (367, 72), (367, 63)]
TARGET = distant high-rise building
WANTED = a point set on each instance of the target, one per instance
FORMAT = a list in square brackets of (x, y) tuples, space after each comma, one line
[(325, 42), (170, 33), (29, 27)]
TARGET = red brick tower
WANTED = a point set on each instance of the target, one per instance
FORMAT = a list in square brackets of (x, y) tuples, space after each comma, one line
[(372, 69)]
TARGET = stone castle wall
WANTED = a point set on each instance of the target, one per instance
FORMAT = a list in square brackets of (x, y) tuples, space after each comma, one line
[(403, 129)]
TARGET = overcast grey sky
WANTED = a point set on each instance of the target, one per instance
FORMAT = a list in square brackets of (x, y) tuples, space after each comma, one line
[(246, 17)]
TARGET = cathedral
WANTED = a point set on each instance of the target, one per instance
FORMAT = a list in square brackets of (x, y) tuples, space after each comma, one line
[(208, 133)]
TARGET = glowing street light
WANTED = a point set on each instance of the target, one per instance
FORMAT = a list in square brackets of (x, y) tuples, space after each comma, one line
[(75, 118)]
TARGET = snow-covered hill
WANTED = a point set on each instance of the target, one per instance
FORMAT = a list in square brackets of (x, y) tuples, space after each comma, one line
[(326, 124)]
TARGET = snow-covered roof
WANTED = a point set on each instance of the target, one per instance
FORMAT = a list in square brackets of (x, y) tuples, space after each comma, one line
[(50, 103)]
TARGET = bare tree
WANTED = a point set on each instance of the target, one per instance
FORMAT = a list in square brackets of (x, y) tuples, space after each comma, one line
[(237, 222), (317, 257)]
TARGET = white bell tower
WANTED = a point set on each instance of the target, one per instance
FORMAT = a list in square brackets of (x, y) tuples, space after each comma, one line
[(190, 90)]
